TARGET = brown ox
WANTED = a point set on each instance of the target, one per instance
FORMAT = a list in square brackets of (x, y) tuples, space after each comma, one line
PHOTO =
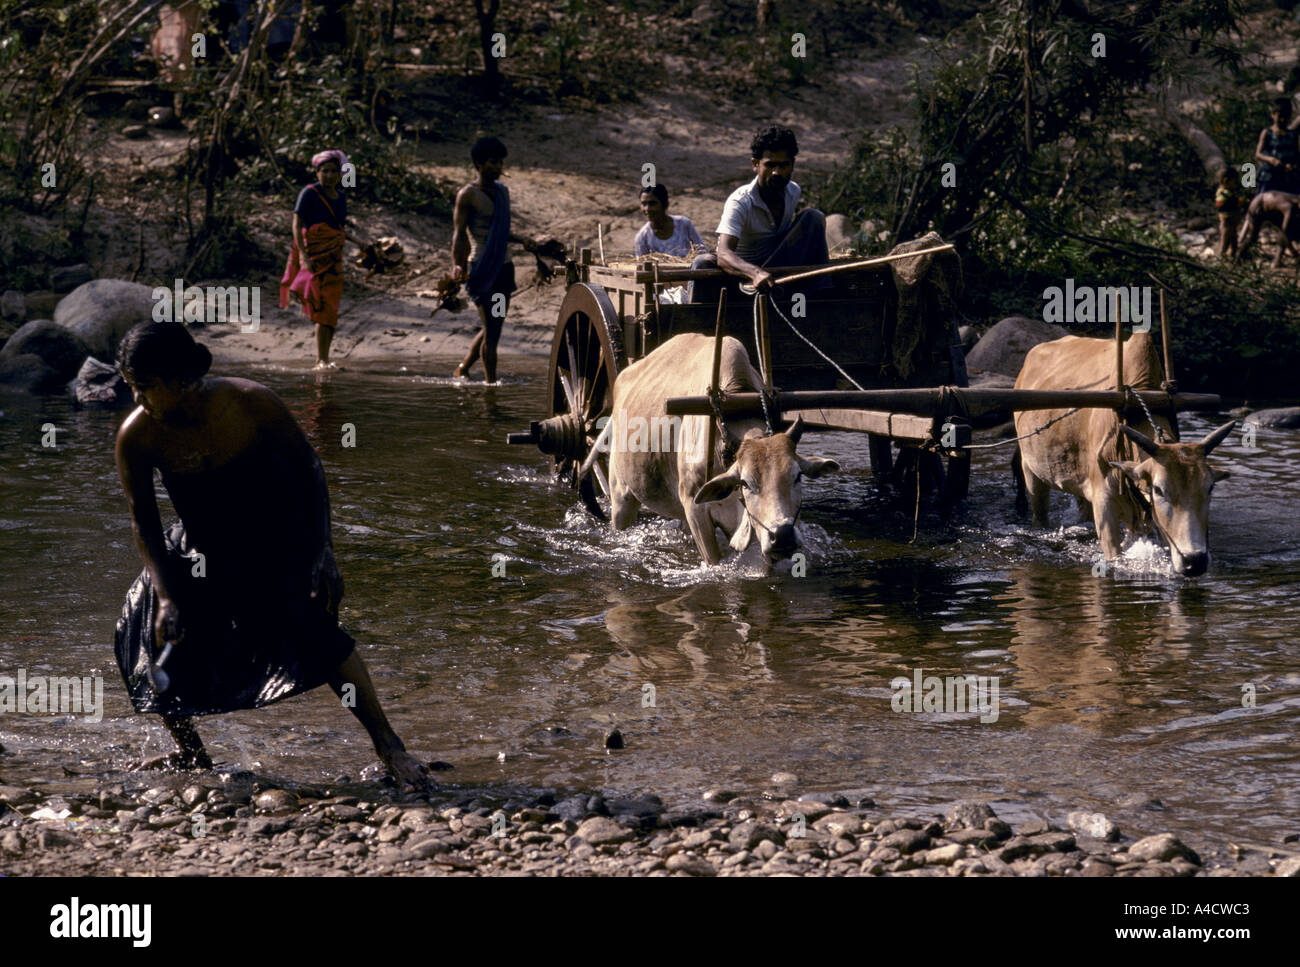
[(1087, 455), (657, 461)]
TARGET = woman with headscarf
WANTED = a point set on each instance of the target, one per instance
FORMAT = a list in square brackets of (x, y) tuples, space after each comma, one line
[(315, 268)]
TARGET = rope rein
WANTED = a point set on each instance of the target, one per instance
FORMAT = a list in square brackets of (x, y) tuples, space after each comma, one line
[(856, 384)]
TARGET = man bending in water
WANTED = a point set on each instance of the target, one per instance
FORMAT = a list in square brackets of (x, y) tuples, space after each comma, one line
[(1274, 208), (244, 589)]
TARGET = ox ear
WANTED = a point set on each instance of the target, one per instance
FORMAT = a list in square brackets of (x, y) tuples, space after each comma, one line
[(1142, 440), (796, 429), (1217, 437), (719, 487), (744, 535), (814, 467), (1216, 474), (1128, 468)]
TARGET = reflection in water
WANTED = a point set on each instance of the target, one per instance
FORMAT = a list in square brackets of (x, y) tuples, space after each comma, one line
[(1108, 685)]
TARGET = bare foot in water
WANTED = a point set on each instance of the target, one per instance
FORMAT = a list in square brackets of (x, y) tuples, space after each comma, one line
[(174, 762), (406, 768), (458, 373)]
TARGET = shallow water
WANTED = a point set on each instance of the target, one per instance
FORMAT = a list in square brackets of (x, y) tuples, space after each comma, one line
[(1128, 684)]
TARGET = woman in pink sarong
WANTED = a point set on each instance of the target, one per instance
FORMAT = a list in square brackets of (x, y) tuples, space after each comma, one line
[(314, 271)]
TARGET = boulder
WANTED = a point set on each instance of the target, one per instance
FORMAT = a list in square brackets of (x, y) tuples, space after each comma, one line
[(100, 386), (12, 305), (839, 234), (28, 373), (62, 349), (41, 305), (1284, 418), (968, 336), (67, 278), (103, 311), (1004, 347)]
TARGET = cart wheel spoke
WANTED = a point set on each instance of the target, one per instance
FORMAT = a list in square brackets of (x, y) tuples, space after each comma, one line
[(600, 478)]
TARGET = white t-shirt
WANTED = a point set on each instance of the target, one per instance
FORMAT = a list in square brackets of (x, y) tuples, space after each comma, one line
[(683, 237), (747, 217)]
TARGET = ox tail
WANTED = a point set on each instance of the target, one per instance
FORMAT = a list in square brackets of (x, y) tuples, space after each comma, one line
[(1017, 471)]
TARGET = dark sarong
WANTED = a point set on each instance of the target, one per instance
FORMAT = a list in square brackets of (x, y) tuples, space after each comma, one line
[(253, 634)]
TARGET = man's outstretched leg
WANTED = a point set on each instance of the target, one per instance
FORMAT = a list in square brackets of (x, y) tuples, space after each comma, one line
[(365, 706)]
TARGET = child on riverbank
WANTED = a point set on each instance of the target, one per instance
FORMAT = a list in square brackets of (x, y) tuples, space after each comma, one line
[(1230, 202)]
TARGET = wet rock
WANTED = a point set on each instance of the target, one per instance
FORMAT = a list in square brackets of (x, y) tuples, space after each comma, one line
[(345, 814), (101, 312), (1003, 348), (719, 795), (596, 805), (573, 809), (998, 828), (17, 795), (945, 855), (157, 795), (682, 863), (1095, 825), (972, 837), (162, 117), (969, 814), (1139, 800), (193, 794), (1288, 867), (100, 386), (834, 800), (1285, 417), (906, 841), (839, 824), (1053, 842), (1256, 864), (600, 830), (276, 801), (784, 779), (1033, 828), (749, 834), (613, 739), (1161, 847), (1093, 867), (425, 848), (68, 278), (810, 810), (28, 373), (56, 839), (135, 131)]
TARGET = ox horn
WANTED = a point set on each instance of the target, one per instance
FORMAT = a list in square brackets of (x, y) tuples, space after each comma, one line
[(1141, 439), (796, 429), (1215, 438)]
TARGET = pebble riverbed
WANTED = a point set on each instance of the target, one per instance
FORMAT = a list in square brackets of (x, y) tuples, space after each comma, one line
[(225, 824)]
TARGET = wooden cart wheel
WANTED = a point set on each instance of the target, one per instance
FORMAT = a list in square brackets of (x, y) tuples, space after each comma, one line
[(586, 356)]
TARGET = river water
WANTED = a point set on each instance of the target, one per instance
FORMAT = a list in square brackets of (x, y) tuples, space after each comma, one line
[(1112, 691)]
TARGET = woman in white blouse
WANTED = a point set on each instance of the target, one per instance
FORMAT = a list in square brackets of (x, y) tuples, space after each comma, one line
[(669, 234)]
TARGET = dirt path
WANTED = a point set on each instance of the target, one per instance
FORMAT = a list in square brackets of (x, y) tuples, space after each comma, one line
[(566, 172)]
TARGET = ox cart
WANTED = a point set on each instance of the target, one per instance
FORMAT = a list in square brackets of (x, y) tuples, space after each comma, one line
[(867, 346)]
